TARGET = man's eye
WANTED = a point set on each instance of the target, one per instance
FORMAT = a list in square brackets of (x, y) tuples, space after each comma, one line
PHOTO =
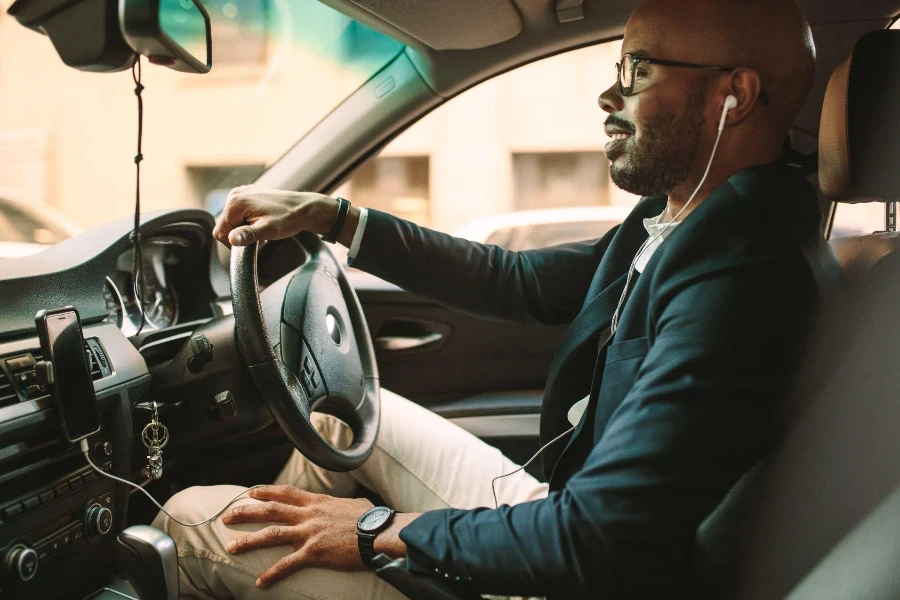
[(640, 72)]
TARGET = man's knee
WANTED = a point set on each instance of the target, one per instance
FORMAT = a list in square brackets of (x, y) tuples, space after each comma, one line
[(193, 505)]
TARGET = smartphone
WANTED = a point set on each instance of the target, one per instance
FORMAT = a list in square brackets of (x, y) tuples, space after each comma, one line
[(72, 389)]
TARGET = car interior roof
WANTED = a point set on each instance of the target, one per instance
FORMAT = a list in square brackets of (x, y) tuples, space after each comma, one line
[(458, 44)]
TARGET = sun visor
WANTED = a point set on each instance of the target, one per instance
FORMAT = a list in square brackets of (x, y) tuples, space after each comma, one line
[(441, 24), (85, 33)]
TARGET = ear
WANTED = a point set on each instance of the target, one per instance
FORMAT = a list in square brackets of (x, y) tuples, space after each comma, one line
[(745, 85)]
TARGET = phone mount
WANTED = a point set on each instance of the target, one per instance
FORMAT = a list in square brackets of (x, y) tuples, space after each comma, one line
[(43, 370)]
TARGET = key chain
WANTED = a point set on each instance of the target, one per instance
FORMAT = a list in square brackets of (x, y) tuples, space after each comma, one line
[(155, 437)]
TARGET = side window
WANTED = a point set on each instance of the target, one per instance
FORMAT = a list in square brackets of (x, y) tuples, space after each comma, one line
[(852, 219), (508, 161)]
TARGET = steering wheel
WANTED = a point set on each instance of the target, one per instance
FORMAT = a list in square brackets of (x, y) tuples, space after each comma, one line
[(306, 344)]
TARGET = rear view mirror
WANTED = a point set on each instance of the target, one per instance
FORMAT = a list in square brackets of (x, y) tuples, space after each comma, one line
[(172, 33), (103, 35)]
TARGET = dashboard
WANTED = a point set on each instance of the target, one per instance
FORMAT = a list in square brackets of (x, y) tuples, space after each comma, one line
[(138, 321)]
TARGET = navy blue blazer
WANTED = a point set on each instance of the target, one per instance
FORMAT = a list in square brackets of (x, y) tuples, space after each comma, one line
[(686, 397)]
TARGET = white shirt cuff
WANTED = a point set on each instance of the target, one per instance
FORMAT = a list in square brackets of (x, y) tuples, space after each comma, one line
[(358, 236)]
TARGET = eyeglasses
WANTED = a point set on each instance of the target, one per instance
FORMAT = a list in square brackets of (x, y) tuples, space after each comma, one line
[(626, 71)]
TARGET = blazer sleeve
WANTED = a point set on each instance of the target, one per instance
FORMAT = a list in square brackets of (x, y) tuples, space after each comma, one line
[(547, 285), (704, 405)]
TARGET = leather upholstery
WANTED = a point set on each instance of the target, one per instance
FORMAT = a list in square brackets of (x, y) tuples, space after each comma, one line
[(859, 136), (865, 256)]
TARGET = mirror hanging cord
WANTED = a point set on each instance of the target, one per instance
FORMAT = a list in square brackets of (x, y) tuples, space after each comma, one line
[(137, 265)]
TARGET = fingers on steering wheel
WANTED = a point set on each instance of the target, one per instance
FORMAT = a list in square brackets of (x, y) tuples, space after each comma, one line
[(233, 215)]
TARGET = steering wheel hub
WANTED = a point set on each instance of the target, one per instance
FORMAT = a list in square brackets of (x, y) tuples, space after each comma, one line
[(300, 361)]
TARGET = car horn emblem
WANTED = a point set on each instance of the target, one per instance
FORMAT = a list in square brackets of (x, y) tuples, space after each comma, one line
[(334, 328)]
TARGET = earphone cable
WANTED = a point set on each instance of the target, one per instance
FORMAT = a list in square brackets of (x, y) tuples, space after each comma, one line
[(530, 460), (659, 234)]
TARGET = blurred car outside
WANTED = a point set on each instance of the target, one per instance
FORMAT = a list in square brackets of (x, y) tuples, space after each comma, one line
[(28, 227), (529, 229)]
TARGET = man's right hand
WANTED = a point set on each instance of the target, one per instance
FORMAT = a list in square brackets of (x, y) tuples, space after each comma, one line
[(253, 213)]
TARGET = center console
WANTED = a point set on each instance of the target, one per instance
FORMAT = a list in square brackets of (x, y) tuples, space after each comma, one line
[(58, 517), (61, 520)]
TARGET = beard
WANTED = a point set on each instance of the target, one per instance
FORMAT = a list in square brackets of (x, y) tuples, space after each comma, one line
[(662, 159)]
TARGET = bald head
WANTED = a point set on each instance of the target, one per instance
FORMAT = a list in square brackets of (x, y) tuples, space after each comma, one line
[(771, 37), (696, 53)]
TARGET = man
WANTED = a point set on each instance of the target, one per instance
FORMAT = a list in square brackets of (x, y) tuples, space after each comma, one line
[(711, 314)]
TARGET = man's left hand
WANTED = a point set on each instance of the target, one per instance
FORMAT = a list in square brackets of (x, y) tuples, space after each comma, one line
[(322, 529)]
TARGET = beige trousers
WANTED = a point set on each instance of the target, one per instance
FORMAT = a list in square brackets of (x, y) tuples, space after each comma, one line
[(421, 462)]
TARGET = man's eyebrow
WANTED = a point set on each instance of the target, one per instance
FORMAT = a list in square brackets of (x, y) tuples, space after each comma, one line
[(639, 53)]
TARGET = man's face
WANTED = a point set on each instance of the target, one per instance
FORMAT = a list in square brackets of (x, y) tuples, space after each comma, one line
[(662, 146), (657, 130)]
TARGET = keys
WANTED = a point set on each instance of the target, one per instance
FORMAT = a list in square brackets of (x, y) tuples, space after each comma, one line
[(155, 437)]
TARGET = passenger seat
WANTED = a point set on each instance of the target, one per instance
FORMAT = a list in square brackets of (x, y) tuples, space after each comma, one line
[(859, 149), (828, 524)]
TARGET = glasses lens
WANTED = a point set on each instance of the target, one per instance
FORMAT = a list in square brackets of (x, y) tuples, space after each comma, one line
[(625, 78)]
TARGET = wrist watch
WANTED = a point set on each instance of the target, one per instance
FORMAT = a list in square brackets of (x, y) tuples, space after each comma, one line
[(374, 521), (343, 209)]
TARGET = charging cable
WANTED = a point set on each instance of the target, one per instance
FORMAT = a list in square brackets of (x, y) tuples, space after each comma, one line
[(86, 451)]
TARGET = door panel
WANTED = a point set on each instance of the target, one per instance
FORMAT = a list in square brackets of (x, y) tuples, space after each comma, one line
[(438, 357), (487, 376)]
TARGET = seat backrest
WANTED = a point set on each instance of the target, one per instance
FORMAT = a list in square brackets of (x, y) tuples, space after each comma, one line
[(840, 458), (859, 145), (859, 161)]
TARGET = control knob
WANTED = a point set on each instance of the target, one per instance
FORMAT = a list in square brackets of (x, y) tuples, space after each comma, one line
[(21, 562), (99, 519), (103, 449)]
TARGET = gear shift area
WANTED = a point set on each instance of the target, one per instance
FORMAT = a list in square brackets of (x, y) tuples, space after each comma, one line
[(149, 560)]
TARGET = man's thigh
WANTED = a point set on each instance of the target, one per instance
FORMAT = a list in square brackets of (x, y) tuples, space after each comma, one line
[(421, 462), (207, 570)]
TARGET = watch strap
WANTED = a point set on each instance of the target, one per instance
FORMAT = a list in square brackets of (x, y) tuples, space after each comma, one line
[(366, 542), (343, 209)]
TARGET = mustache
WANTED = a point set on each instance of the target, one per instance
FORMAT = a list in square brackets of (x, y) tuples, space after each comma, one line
[(615, 121)]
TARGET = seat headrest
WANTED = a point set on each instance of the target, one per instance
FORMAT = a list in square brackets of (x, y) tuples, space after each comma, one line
[(859, 133)]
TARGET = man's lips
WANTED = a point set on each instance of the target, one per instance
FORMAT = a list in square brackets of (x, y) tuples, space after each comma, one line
[(617, 139)]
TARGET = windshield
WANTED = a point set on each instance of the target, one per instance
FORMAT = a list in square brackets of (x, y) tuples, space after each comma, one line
[(68, 138)]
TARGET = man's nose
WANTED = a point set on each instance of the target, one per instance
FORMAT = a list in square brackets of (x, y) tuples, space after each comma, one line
[(611, 100)]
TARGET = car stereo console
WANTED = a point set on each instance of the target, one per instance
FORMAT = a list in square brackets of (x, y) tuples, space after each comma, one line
[(64, 517), (58, 517)]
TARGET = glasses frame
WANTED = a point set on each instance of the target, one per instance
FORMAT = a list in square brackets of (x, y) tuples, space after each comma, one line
[(634, 60)]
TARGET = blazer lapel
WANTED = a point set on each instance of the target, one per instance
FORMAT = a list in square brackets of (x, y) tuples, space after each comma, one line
[(568, 379)]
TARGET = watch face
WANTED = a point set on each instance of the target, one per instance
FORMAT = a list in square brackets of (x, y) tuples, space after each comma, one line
[(374, 518)]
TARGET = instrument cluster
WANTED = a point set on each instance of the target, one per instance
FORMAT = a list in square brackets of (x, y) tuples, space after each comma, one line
[(151, 302)]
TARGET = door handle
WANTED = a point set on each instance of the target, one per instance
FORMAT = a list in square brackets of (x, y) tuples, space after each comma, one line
[(393, 343)]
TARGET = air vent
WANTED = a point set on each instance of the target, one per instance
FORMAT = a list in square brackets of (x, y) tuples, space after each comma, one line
[(99, 363), (7, 392), (100, 366), (21, 382)]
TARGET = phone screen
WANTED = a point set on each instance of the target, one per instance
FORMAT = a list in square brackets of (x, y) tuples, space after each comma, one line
[(73, 388)]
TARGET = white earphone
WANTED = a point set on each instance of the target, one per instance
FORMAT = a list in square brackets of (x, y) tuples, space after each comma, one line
[(730, 102)]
